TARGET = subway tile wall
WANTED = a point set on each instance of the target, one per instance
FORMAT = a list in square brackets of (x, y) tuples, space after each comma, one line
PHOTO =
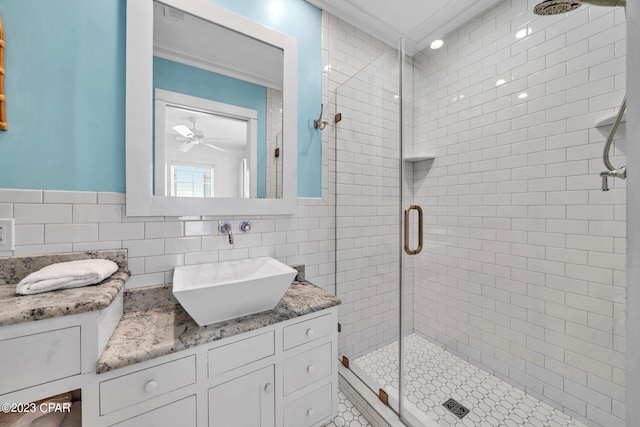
[(367, 206), (64, 221), (524, 271), (362, 74)]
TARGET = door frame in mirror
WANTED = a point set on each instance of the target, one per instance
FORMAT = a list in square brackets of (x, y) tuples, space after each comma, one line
[(140, 200), (165, 98)]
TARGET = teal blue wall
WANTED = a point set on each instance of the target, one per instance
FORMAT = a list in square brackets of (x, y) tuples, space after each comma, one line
[(64, 83), (176, 77), (304, 22), (65, 74)]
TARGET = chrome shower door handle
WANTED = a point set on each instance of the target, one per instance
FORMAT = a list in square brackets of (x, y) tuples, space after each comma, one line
[(407, 210)]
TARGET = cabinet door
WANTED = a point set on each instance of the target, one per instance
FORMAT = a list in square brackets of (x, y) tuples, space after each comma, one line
[(247, 401)]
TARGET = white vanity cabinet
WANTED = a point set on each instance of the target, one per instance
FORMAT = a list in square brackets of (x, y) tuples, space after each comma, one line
[(40, 359), (279, 375), (245, 401)]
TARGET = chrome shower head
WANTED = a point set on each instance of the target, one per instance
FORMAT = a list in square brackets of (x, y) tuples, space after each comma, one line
[(556, 7)]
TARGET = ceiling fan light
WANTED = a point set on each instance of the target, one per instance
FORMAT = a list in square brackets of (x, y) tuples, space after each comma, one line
[(185, 146), (184, 131)]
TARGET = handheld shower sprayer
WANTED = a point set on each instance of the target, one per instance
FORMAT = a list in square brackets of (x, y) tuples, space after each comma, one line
[(556, 7)]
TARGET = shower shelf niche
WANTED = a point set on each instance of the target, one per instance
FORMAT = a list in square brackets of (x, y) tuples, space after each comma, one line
[(418, 157), (608, 119)]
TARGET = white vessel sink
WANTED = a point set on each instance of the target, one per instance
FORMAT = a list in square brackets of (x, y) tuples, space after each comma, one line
[(220, 291)]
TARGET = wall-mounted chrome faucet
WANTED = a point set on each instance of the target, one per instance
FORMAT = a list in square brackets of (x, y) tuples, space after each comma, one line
[(225, 228), (245, 226), (616, 173)]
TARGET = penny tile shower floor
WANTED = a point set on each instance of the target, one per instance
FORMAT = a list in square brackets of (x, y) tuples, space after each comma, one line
[(434, 375)]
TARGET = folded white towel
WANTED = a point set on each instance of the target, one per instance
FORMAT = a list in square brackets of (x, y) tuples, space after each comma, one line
[(65, 275)]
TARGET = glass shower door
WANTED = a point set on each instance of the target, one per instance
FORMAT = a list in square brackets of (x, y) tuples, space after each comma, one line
[(368, 197)]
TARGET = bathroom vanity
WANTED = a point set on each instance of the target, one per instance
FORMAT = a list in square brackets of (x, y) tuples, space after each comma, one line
[(280, 372), (147, 363)]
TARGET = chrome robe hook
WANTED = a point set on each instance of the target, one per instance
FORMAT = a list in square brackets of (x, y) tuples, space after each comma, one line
[(319, 123)]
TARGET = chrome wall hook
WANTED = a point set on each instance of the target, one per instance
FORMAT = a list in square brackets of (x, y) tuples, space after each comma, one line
[(319, 123)]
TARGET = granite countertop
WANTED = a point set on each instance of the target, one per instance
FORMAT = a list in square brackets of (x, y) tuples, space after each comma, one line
[(158, 331), (24, 308)]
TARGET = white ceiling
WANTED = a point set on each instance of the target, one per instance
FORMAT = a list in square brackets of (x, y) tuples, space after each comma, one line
[(421, 21), (185, 38)]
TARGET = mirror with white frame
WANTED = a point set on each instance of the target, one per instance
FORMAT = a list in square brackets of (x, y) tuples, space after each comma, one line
[(211, 112)]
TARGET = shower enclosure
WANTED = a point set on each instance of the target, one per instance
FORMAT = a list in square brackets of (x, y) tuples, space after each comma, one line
[(513, 309)]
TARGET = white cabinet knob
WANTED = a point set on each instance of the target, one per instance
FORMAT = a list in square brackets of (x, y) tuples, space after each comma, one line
[(310, 332), (151, 386), (311, 369), (311, 412), (268, 388)]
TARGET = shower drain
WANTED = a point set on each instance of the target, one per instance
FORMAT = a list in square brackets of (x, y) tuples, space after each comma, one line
[(456, 408)]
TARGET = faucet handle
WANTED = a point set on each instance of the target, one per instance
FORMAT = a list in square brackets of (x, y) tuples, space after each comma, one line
[(245, 226)]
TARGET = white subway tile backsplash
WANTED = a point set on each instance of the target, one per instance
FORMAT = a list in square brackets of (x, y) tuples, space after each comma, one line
[(72, 197), (29, 234), (74, 233), (121, 231), (96, 246), (20, 196), (97, 213), (182, 245), (6, 210), (42, 214), (154, 230), (111, 198), (144, 247), (42, 249), (160, 263)]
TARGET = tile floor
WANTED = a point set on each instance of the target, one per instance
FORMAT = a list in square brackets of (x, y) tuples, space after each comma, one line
[(434, 375), (348, 415)]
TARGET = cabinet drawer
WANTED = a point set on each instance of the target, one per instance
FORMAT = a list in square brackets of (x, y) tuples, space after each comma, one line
[(138, 386), (181, 413), (240, 353), (39, 358), (309, 409), (307, 331), (306, 368)]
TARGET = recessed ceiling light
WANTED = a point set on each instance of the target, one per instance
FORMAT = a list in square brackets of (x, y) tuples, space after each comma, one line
[(436, 44), (500, 82), (523, 95), (523, 33)]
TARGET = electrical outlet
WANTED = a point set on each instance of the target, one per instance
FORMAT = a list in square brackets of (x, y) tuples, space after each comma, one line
[(7, 235)]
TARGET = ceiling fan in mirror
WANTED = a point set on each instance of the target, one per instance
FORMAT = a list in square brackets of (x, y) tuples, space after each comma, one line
[(191, 136)]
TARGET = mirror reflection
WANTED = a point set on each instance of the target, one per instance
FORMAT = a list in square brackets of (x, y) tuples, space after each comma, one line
[(218, 110)]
